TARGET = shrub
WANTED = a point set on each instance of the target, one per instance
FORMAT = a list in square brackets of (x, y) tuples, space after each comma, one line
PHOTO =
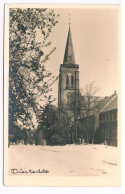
[(57, 140)]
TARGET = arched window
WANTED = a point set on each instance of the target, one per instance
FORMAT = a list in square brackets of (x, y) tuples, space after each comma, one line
[(68, 97), (72, 80), (67, 82)]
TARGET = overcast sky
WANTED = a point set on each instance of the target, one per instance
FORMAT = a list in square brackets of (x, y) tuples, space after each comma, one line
[(95, 42)]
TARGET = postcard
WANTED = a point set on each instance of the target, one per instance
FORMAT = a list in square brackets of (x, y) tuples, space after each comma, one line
[(62, 95)]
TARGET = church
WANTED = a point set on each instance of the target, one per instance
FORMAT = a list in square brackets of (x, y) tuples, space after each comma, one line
[(69, 74)]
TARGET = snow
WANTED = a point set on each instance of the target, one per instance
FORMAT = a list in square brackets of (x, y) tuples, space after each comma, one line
[(69, 160)]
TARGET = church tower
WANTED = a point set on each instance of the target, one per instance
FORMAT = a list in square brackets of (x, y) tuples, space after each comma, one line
[(69, 74)]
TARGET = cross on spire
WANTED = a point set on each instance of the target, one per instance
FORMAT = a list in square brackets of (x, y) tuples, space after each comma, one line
[(69, 57), (69, 18)]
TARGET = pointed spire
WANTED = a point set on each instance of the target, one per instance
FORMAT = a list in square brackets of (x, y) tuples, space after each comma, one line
[(69, 57)]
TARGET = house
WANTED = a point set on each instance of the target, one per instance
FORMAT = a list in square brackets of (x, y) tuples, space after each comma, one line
[(107, 132), (101, 125)]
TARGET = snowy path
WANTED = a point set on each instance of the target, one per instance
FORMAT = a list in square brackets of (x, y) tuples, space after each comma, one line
[(78, 160)]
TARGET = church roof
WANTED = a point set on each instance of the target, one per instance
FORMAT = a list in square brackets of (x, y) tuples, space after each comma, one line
[(69, 57)]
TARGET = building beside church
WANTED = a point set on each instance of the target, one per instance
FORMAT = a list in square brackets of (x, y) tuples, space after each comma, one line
[(102, 125), (107, 131)]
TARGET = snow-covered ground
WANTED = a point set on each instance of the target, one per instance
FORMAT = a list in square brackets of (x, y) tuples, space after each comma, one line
[(69, 160)]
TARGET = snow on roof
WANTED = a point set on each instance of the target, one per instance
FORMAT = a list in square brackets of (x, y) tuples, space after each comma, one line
[(108, 103), (112, 105)]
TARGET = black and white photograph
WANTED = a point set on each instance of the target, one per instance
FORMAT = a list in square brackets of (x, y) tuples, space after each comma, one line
[(62, 94)]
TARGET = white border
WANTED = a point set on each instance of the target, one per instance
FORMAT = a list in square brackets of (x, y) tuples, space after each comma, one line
[(61, 180), (64, 190)]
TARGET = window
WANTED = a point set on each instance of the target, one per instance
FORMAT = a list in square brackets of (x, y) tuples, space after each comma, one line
[(109, 117), (115, 116), (72, 80), (106, 117), (68, 97), (67, 82), (103, 132), (114, 132), (107, 133), (102, 118)]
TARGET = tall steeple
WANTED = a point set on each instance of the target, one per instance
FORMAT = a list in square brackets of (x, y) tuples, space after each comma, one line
[(69, 74), (69, 57)]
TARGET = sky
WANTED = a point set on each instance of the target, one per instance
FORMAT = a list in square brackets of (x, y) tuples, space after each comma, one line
[(95, 42)]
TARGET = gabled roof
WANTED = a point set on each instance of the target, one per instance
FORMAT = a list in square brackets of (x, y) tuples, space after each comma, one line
[(112, 105), (107, 104), (103, 105), (69, 57)]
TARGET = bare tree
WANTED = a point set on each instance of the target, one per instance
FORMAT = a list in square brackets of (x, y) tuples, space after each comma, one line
[(90, 110), (75, 108), (83, 105)]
